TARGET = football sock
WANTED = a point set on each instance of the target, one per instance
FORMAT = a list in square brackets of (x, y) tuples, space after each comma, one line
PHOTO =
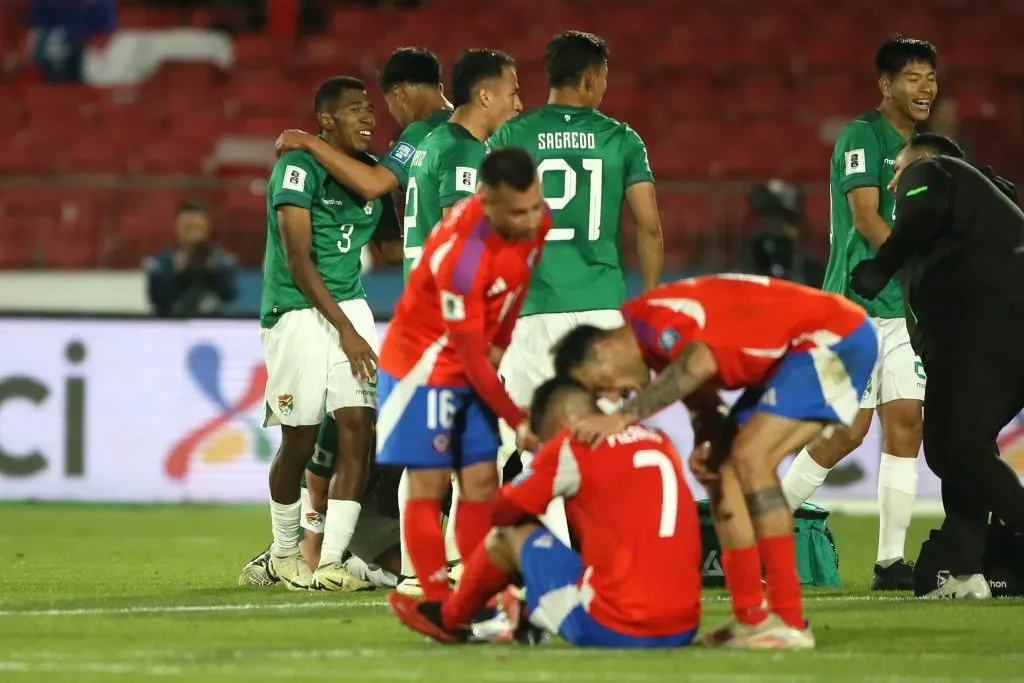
[(284, 520), (779, 553), (422, 530), (403, 499), (742, 567), (474, 525), (480, 580), (451, 546), (339, 525), (897, 488), (802, 479)]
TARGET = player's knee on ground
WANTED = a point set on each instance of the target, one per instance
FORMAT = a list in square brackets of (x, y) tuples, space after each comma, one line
[(479, 482), (902, 427)]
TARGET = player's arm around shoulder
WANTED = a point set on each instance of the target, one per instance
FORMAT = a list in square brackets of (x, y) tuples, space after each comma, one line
[(856, 162), (642, 202)]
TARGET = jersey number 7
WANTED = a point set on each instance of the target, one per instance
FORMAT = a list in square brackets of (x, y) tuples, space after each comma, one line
[(669, 487), (593, 167)]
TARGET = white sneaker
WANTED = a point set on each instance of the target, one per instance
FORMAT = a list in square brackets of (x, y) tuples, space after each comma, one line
[(771, 634), (973, 587), (291, 570), (256, 571), (411, 587), (334, 577)]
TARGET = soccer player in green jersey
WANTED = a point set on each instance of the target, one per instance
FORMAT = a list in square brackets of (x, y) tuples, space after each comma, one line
[(863, 210), (411, 83), (319, 338), (590, 165)]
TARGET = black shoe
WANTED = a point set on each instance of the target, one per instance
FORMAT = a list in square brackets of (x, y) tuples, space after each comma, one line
[(898, 576), (431, 611)]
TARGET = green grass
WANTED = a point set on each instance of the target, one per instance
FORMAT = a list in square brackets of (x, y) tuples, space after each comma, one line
[(147, 593)]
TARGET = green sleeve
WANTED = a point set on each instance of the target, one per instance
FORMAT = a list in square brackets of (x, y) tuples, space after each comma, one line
[(456, 171), (857, 158), (637, 167), (399, 157), (294, 179), (501, 137)]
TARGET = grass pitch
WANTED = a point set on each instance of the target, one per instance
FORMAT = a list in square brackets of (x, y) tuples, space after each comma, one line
[(147, 593)]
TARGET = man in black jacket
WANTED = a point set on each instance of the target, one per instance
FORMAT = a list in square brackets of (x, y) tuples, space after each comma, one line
[(959, 241)]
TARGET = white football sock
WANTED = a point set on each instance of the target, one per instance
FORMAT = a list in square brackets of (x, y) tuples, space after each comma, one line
[(451, 550), (375, 574), (802, 479), (339, 525), (403, 498), (284, 520), (897, 488)]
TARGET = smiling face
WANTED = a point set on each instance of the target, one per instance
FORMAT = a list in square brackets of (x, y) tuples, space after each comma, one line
[(349, 125), (912, 91)]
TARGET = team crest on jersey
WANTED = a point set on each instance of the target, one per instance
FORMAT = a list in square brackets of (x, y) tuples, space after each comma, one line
[(442, 443), (285, 403), (668, 340)]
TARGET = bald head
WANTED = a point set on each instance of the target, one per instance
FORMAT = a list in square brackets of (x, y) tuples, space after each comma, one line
[(558, 404)]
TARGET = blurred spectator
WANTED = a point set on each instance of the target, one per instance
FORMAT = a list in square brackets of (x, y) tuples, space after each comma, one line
[(775, 246), (60, 31), (195, 278), (945, 120)]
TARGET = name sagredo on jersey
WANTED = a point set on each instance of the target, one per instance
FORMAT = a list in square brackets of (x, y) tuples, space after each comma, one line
[(566, 140)]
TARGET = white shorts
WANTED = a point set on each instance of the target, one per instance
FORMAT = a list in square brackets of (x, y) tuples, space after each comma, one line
[(308, 374), (898, 372)]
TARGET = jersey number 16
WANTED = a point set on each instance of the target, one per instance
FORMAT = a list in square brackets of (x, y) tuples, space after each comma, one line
[(593, 167)]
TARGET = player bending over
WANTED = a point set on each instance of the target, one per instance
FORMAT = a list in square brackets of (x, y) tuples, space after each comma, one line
[(439, 388), (628, 502), (590, 165), (318, 334), (803, 356)]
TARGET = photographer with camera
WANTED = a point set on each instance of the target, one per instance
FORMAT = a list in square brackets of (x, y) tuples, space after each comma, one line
[(195, 278)]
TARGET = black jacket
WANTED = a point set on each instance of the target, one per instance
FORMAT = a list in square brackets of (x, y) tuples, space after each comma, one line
[(958, 239)]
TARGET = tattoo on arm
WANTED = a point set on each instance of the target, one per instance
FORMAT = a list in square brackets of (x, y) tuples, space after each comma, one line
[(675, 383), (765, 501)]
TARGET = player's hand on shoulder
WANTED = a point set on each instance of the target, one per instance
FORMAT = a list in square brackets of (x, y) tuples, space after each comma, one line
[(594, 429), (360, 354), (699, 464), (526, 440), (292, 140)]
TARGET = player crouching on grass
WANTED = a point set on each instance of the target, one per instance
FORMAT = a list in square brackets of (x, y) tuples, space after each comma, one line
[(628, 501)]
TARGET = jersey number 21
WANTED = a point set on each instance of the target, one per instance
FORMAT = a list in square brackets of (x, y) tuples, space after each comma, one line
[(593, 167)]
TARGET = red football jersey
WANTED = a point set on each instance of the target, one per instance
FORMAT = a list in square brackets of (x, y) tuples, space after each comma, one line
[(748, 321), (636, 521), (467, 280)]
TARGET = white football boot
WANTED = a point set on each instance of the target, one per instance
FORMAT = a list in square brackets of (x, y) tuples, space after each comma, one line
[(411, 587), (291, 570), (256, 571), (334, 577), (973, 587)]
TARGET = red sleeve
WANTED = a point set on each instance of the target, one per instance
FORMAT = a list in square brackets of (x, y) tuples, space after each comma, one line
[(504, 335), (534, 488), (472, 350)]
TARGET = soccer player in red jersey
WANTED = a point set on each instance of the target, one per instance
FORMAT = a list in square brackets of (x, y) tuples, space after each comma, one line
[(440, 395), (628, 502), (804, 358)]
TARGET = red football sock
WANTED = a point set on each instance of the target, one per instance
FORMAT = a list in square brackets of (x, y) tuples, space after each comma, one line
[(472, 524), (779, 553), (423, 537), (742, 569), (480, 580)]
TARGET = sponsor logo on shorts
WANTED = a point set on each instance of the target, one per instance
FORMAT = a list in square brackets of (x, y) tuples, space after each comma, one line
[(285, 403), (442, 443)]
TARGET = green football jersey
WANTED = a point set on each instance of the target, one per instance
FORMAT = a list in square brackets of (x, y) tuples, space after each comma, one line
[(342, 224), (443, 171), (586, 161), (398, 157), (864, 156)]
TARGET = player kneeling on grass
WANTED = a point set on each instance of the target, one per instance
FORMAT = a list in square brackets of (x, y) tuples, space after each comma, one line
[(804, 358), (628, 501)]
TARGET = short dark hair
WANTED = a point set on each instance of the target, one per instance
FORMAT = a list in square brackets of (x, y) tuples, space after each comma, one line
[(568, 56), (412, 66), (330, 91), (572, 350), (548, 395), (474, 66), (940, 144), (189, 205), (900, 50), (512, 166)]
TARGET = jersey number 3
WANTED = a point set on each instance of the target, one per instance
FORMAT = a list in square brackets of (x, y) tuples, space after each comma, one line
[(593, 167), (669, 487)]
